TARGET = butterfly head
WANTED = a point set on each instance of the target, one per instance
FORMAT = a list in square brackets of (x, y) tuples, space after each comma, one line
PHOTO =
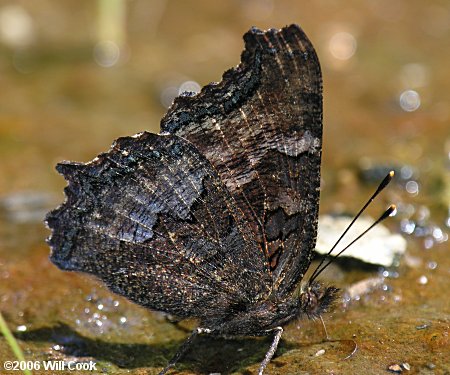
[(316, 299)]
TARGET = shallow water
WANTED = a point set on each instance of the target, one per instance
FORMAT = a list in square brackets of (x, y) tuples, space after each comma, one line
[(386, 105)]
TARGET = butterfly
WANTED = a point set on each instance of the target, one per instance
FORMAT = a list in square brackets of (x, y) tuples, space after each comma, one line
[(215, 217)]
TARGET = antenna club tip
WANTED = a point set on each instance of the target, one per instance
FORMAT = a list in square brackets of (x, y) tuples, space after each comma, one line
[(385, 182), (392, 209)]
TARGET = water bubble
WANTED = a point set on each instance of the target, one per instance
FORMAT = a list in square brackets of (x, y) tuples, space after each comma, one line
[(407, 226), (409, 100), (432, 265), (439, 235), (16, 26), (106, 53), (412, 187), (423, 213), (428, 243), (406, 172), (423, 280), (189, 86), (421, 231), (342, 45), (168, 95)]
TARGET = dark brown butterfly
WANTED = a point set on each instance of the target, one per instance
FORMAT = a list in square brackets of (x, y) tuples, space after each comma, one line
[(214, 218)]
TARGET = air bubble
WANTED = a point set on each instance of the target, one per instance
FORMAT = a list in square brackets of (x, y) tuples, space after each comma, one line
[(342, 45), (409, 100), (412, 187), (106, 53)]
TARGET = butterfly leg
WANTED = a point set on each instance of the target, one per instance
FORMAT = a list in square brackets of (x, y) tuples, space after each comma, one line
[(273, 348), (324, 328), (183, 348)]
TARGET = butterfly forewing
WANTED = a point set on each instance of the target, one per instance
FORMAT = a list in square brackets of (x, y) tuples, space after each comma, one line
[(261, 129)]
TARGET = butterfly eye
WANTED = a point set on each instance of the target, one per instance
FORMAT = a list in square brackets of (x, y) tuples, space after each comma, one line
[(308, 301)]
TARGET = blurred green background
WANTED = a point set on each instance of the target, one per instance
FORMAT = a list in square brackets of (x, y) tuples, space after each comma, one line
[(75, 75)]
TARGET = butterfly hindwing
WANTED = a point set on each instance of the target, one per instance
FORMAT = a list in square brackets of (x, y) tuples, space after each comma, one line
[(152, 219)]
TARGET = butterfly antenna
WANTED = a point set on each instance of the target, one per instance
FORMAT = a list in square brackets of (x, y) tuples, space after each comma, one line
[(380, 188), (389, 212)]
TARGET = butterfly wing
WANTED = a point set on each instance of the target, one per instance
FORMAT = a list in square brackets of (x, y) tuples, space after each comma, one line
[(261, 129), (152, 219)]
